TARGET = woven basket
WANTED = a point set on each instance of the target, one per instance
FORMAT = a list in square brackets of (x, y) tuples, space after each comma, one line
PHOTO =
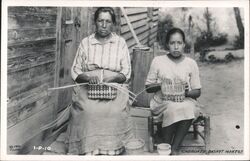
[(101, 91), (173, 92)]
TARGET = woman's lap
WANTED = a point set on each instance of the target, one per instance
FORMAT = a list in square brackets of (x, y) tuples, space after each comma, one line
[(102, 125)]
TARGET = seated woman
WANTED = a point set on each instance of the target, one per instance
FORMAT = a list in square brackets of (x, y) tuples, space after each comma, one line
[(100, 126), (174, 68)]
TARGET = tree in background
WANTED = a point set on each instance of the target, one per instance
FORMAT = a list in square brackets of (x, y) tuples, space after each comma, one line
[(239, 42), (208, 18), (209, 37), (163, 27)]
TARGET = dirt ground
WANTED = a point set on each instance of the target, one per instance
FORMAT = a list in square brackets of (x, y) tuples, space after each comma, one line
[(223, 100)]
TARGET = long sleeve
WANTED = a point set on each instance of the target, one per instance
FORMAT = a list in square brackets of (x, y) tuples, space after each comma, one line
[(79, 61), (125, 62)]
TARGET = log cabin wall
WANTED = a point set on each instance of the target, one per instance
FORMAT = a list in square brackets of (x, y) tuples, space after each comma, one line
[(31, 71), (145, 23)]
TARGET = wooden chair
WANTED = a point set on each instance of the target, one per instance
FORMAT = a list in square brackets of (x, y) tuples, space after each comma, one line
[(154, 124)]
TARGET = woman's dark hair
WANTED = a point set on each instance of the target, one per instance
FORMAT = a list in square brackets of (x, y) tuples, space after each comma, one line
[(105, 9), (173, 31)]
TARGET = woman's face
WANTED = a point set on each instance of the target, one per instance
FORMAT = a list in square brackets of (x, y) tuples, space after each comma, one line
[(176, 45), (104, 24)]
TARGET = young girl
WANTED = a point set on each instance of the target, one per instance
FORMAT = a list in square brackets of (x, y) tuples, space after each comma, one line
[(172, 68)]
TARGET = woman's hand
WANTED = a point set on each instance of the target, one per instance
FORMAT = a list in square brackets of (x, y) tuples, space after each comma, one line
[(119, 78), (83, 78), (94, 80)]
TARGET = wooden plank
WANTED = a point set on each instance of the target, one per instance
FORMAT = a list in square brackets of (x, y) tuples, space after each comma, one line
[(32, 48), (135, 25), (32, 10), (155, 12), (27, 43), (26, 75), (28, 128), (144, 41), (138, 31), (17, 88), (59, 44), (134, 18), (28, 110), (66, 60), (152, 41), (153, 35), (17, 21), (28, 87), (155, 18), (141, 36), (28, 61), (135, 10), (23, 35), (16, 104), (140, 65), (26, 67)]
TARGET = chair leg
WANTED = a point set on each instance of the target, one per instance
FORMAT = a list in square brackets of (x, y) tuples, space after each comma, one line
[(151, 140), (207, 133), (195, 131)]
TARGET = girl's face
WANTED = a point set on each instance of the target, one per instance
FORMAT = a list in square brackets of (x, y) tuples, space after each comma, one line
[(176, 45), (104, 24)]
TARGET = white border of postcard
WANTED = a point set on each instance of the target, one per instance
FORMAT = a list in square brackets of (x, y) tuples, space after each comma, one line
[(78, 3)]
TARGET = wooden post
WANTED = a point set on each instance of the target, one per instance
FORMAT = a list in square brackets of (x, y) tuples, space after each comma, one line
[(140, 66), (57, 58)]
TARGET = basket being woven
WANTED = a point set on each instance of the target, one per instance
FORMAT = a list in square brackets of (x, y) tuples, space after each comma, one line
[(101, 91), (173, 92)]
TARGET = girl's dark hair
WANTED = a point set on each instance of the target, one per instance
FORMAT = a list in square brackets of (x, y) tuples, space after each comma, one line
[(105, 9), (173, 31)]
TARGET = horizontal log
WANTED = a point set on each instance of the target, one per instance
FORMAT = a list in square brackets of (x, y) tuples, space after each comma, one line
[(153, 33), (26, 75), (28, 128), (155, 18), (31, 48), (155, 12), (16, 21), (23, 35), (144, 41), (28, 61), (135, 10), (30, 42), (27, 97), (28, 110), (141, 36), (17, 69), (139, 30), (32, 10), (16, 87), (135, 25), (134, 18), (20, 88), (152, 41)]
